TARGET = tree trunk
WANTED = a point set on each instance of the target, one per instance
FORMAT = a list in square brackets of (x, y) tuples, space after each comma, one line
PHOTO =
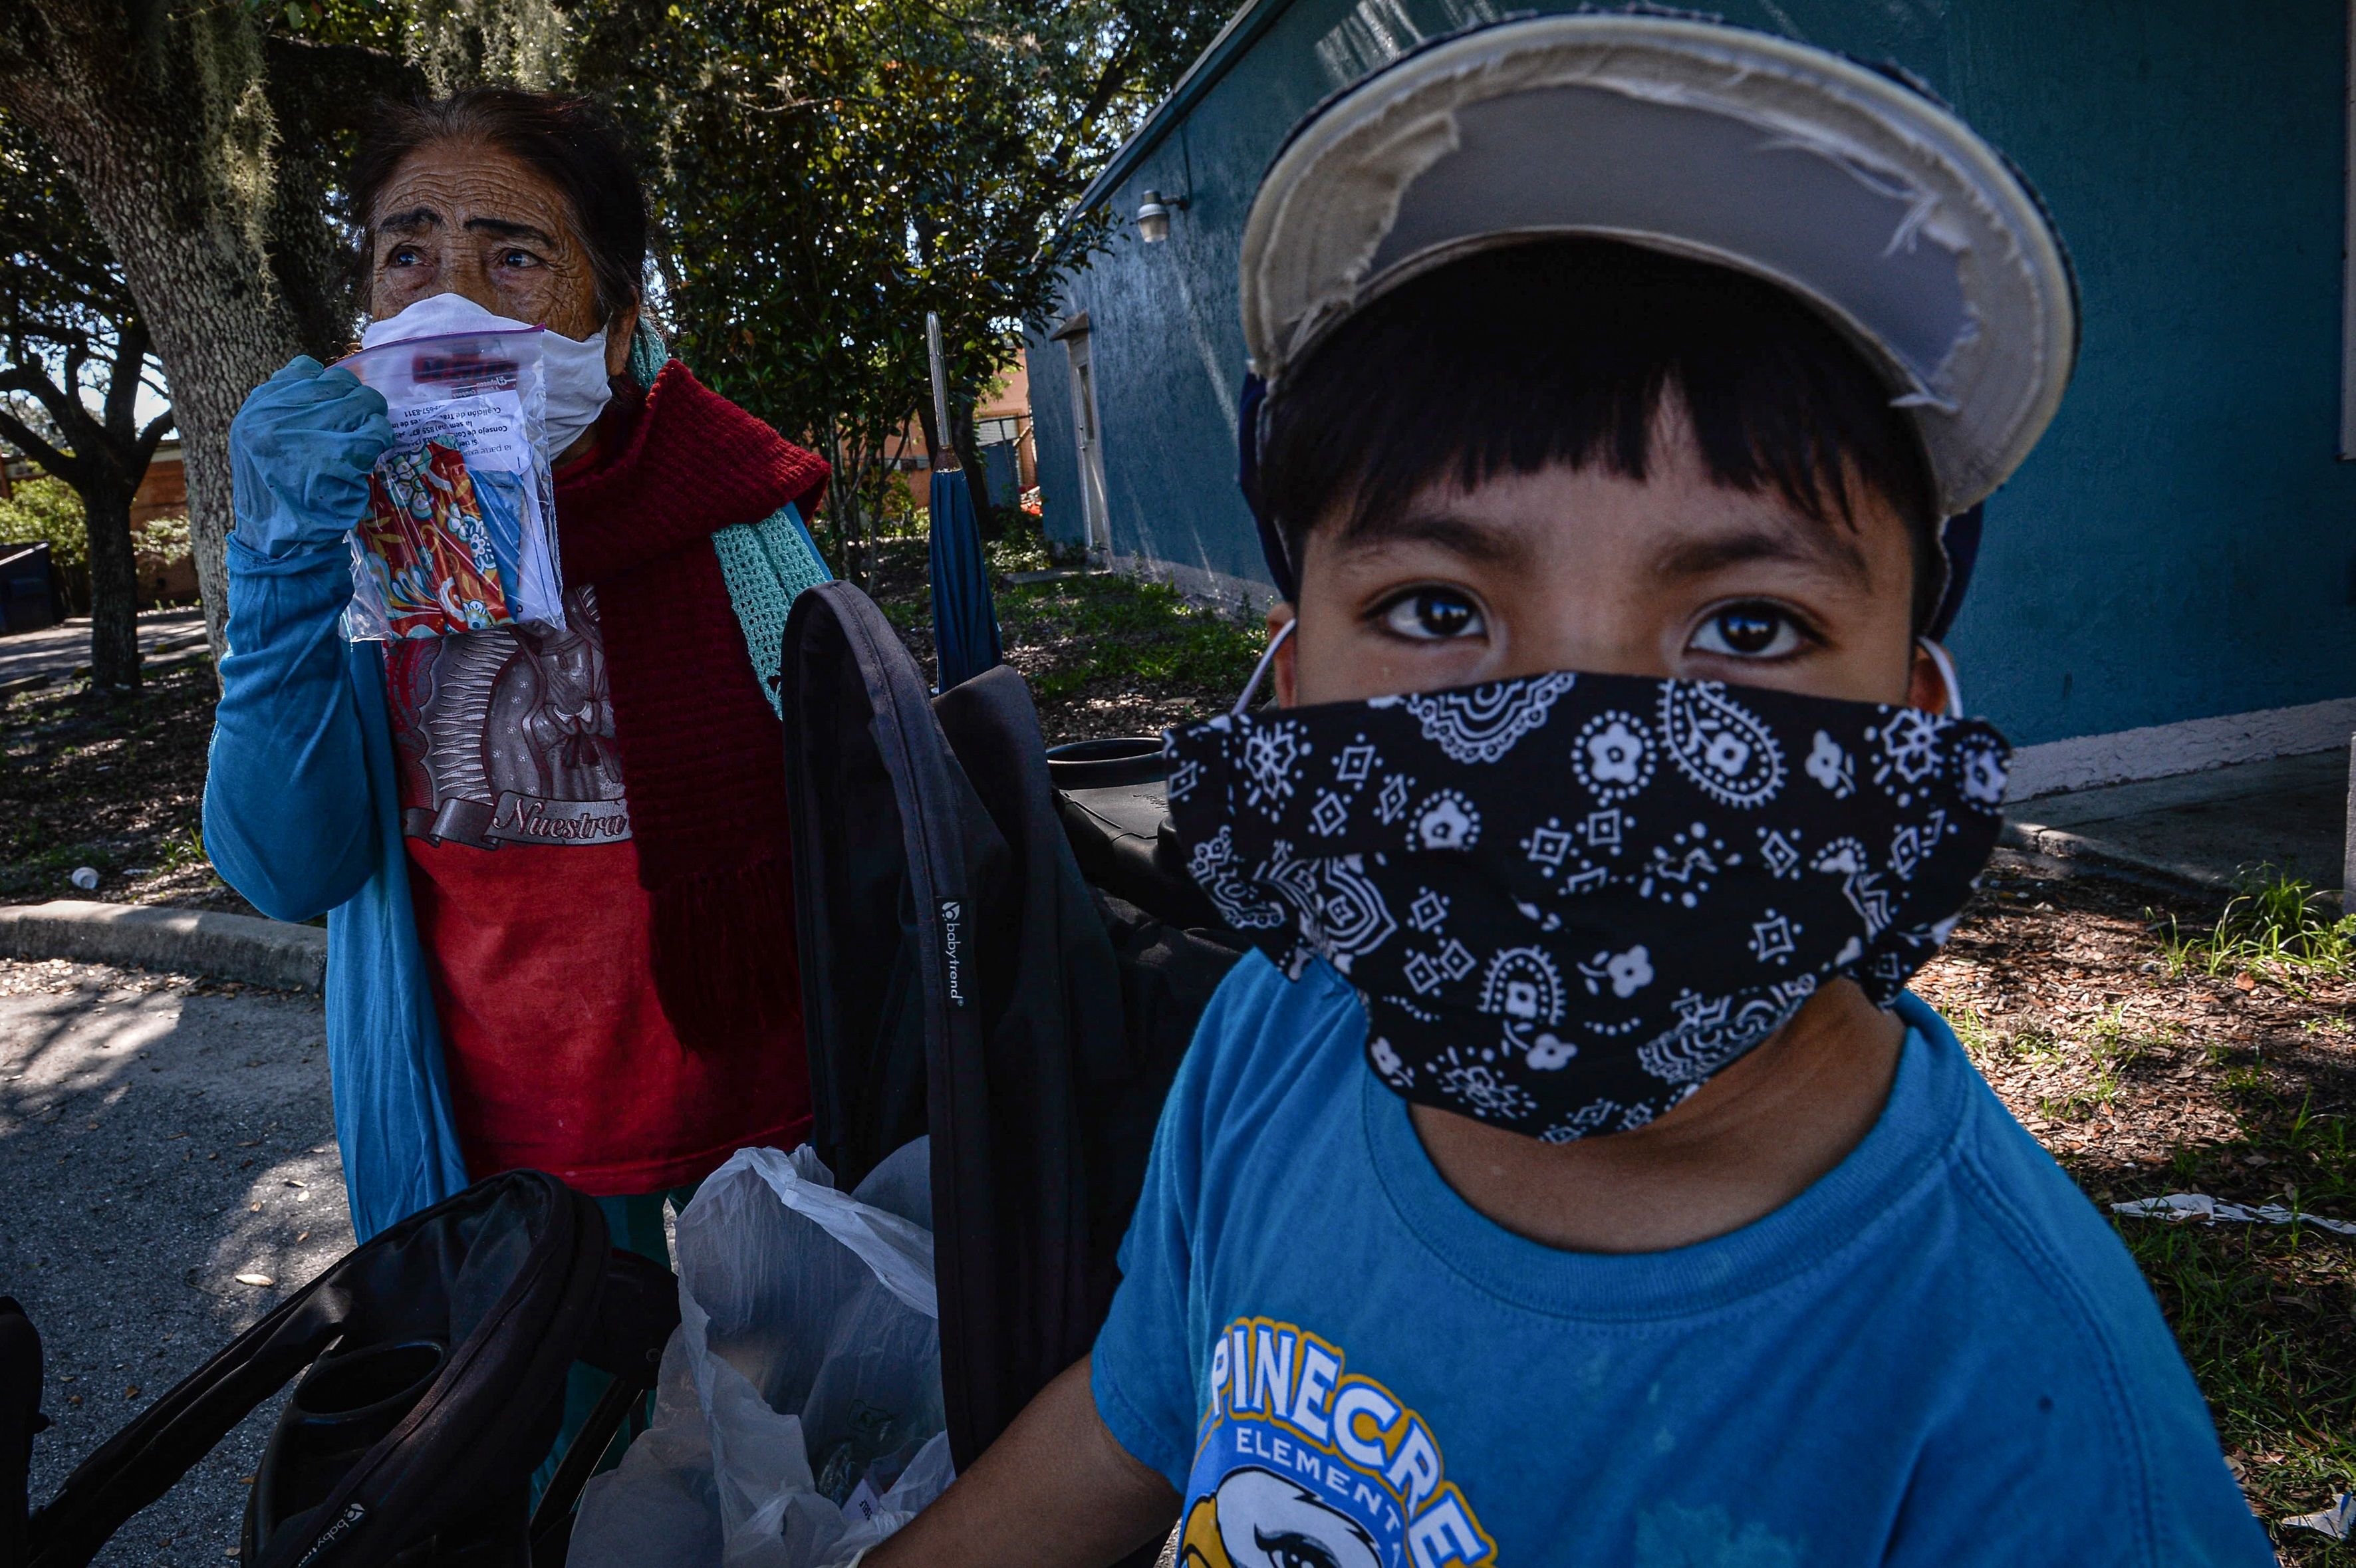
[(219, 329), (113, 590), (166, 121), (843, 500)]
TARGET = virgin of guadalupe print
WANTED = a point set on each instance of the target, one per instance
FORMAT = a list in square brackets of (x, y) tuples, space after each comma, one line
[(505, 735), (439, 547)]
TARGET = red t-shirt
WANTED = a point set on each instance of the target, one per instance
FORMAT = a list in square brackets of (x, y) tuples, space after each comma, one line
[(525, 884)]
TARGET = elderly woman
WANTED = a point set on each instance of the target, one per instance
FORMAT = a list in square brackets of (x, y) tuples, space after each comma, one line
[(613, 999)]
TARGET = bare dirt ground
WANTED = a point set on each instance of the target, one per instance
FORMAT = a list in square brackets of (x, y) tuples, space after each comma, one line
[(114, 784)]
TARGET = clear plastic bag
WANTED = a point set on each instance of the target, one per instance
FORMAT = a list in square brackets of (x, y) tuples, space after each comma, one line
[(461, 529), (798, 1419)]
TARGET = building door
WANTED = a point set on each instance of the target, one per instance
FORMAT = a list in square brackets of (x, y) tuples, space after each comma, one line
[(1094, 510)]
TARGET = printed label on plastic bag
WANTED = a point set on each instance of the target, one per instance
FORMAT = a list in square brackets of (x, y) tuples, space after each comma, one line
[(460, 534)]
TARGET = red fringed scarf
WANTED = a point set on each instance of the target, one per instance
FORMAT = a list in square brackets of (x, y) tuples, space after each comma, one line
[(703, 753)]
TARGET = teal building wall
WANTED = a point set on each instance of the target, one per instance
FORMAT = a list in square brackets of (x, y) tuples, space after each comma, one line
[(2180, 546)]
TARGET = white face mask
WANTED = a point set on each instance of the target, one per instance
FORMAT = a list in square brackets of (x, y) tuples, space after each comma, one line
[(574, 370)]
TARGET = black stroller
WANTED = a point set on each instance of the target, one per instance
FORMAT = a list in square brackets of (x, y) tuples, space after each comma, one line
[(432, 1365), (998, 948)]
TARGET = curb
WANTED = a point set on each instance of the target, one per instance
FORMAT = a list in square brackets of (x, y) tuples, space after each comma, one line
[(181, 942), (2058, 844)]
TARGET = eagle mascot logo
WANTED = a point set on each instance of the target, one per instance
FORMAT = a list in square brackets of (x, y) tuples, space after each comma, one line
[(1258, 1519)]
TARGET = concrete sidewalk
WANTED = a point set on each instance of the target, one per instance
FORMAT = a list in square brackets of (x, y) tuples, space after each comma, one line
[(62, 649), (155, 1145), (2199, 832)]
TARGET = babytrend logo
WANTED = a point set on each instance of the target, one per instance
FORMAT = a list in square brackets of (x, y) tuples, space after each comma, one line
[(953, 948), (333, 1536)]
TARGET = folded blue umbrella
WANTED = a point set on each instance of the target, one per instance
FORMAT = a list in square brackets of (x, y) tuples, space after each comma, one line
[(965, 622)]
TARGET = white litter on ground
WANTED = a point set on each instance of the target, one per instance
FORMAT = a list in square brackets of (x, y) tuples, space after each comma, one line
[(2337, 1522), (2201, 1206)]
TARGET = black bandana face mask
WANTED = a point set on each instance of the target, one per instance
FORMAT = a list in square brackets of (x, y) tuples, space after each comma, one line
[(1567, 900)]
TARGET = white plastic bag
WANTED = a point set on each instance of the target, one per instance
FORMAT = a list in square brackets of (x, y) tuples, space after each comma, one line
[(798, 1417), (460, 533)]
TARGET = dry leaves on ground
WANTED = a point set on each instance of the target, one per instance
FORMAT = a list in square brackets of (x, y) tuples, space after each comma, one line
[(2144, 1074)]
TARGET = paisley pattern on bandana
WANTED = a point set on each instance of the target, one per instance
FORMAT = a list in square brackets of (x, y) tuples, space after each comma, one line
[(1567, 900)]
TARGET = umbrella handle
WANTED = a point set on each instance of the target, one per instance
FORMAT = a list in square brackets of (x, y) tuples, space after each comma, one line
[(940, 391)]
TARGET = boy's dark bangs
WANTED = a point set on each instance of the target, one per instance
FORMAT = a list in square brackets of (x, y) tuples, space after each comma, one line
[(1564, 353)]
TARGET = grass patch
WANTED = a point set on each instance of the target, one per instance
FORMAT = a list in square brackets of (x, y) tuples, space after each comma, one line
[(2279, 928), (1104, 653), (1972, 1033), (2186, 1049), (2034, 1043), (2110, 1049), (2266, 1316), (1122, 631), (182, 848)]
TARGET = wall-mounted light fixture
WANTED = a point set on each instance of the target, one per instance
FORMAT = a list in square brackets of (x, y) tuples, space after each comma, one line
[(1153, 215)]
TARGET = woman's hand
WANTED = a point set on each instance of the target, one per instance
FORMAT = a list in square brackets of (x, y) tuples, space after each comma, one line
[(300, 451)]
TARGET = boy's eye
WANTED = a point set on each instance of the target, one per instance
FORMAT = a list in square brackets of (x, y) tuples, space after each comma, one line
[(1433, 614), (1291, 1549), (1747, 631)]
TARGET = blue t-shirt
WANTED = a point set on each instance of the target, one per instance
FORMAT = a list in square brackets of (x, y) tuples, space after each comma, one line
[(1937, 1354)]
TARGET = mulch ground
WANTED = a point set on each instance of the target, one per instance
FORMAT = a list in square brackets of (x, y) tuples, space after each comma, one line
[(2143, 1074), (2146, 1075), (113, 784)]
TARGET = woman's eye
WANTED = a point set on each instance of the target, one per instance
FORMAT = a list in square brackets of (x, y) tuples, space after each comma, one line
[(1433, 614), (1748, 632), (402, 256), (517, 259)]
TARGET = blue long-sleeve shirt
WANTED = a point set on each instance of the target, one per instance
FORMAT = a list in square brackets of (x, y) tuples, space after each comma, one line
[(302, 817)]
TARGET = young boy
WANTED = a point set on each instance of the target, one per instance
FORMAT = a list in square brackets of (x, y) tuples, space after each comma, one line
[(1572, 1180)]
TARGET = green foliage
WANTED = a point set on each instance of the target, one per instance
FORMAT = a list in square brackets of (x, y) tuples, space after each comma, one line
[(2108, 1047), (68, 327), (59, 282), (74, 356), (46, 509), (2281, 926), (1103, 652), (828, 171), (165, 539)]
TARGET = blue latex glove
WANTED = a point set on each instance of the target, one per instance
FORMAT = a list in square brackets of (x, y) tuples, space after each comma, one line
[(300, 451)]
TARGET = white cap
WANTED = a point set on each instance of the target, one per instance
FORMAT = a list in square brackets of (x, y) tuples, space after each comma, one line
[(1856, 192)]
